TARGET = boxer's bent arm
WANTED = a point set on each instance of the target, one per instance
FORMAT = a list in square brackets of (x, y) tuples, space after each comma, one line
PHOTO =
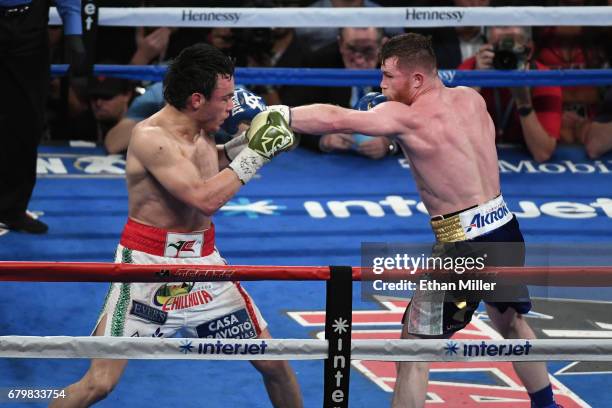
[(180, 177), (318, 119), (222, 156)]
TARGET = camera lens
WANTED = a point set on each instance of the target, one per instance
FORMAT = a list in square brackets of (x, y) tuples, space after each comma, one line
[(505, 60)]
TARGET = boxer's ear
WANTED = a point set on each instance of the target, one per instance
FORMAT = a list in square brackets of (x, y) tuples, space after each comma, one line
[(196, 100), (417, 79)]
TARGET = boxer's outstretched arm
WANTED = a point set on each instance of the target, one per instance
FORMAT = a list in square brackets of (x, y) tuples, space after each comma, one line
[(319, 119)]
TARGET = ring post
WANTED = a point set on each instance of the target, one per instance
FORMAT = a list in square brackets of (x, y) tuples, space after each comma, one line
[(338, 322)]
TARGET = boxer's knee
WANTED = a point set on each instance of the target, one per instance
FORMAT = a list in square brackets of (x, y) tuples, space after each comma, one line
[(102, 378), (510, 324), (98, 388)]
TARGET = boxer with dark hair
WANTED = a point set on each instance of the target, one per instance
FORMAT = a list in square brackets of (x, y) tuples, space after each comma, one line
[(177, 178)]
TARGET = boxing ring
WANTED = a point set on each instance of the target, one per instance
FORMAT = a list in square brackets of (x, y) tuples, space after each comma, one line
[(339, 316), (273, 222)]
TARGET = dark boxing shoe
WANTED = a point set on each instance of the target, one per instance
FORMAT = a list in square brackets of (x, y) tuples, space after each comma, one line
[(24, 223)]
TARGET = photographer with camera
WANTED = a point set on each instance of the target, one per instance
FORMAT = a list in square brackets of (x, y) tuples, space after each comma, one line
[(529, 116)]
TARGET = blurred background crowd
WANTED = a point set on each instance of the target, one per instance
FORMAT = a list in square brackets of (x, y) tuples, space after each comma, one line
[(105, 109), (37, 107)]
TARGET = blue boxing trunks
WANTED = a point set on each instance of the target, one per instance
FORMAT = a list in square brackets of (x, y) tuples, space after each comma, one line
[(489, 231)]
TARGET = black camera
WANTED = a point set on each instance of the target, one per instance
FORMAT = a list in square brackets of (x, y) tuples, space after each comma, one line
[(509, 55)]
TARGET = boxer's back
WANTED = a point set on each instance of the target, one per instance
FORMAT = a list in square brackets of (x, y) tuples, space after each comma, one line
[(452, 150)]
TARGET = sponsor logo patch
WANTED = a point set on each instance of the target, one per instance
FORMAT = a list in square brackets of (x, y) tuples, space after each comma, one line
[(481, 220), (178, 296), (186, 245), (483, 349), (236, 325), (149, 313)]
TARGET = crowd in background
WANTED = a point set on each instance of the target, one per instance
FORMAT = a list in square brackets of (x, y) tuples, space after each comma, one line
[(36, 107), (105, 109)]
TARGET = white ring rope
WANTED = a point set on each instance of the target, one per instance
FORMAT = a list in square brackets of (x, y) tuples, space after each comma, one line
[(304, 349), (349, 16)]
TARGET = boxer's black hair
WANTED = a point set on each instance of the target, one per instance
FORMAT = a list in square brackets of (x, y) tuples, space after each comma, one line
[(195, 70), (411, 49)]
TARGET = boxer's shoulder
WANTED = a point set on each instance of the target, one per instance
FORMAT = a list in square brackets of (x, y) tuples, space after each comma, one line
[(465, 94), (149, 139)]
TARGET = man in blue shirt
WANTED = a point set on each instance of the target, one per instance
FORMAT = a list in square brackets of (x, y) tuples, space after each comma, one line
[(143, 106), (152, 100), (24, 81)]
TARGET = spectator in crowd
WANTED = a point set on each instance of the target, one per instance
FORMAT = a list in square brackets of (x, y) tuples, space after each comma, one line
[(111, 43), (287, 51), (453, 45), (596, 133), (72, 117), (152, 100), (119, 43), (151, 45), (109, 99), (95, 104), (221, 38), (531, 116), (24, 81), (572, 47), (356, 48), (319, 37), (271, 47), (143, 106), (165, 43), (408, 3)]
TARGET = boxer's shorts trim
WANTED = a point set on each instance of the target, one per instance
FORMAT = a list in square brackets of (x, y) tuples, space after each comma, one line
[(118, 322)]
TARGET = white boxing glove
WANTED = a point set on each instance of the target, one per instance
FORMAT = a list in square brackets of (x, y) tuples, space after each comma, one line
[(283, 110)]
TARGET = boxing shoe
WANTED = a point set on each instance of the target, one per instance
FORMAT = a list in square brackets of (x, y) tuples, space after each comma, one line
[(24, 223)]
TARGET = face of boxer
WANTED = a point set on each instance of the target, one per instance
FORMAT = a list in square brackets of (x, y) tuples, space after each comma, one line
[(359, 47), (213, 111), (402, 82), (395, 82)]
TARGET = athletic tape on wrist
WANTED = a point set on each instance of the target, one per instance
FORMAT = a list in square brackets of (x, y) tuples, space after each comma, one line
[(246, 164), (235, 146)]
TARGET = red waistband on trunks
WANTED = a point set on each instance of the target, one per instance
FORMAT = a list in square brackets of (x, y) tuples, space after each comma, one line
[(161, 242)]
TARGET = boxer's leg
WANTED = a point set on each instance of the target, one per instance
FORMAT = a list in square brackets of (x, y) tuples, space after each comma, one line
[(533, 375), (96, 384), (411, 380), (280, 380)]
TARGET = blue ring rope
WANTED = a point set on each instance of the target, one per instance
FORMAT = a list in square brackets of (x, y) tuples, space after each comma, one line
[(345, 77)]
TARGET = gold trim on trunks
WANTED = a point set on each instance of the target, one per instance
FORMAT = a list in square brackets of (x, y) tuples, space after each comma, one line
[(448, 229)]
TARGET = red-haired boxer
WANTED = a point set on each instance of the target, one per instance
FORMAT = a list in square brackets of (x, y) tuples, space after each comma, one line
[(448, 137)]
